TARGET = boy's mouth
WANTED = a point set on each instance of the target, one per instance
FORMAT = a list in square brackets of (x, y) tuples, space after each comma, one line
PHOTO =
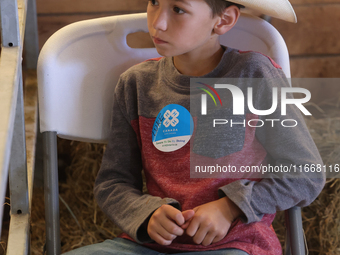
[(156, 40)]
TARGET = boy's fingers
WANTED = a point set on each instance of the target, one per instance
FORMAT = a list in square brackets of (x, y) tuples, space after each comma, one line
[(188, 214), (200, 235), (209, 238), (160, 240), (218, 238), (160, 235), (172, 228), (166, 235), (186, 224), (175, 215), (193, 226)]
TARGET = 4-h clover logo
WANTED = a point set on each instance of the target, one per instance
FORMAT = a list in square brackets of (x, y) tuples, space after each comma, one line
[(171, 118)]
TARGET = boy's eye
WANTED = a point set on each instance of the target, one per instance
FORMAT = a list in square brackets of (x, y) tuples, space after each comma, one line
[(178, 10), (154, 2)]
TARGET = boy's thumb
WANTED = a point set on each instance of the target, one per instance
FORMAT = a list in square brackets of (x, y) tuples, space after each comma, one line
[(188, 214)]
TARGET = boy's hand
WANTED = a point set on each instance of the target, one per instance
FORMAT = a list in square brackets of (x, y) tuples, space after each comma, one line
[(212, 221), (164, 224)]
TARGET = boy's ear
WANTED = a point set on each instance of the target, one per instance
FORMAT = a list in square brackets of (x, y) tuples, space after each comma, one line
[(226, 20)]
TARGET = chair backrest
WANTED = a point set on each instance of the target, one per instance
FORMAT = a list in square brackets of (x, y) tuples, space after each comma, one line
[(80, 64)]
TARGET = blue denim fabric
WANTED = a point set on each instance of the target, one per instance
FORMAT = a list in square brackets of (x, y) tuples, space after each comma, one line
[(121, 246)]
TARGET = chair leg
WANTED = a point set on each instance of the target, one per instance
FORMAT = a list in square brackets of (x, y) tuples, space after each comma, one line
[(51, 192), (287, 239), (295, 242)]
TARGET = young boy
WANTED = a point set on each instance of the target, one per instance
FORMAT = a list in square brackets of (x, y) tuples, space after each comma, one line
[(183, 214)]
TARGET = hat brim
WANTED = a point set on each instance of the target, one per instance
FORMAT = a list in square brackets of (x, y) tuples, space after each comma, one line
[(281, 9)]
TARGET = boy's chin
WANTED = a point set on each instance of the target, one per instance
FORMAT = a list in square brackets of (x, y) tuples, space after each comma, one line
[(164, 53)]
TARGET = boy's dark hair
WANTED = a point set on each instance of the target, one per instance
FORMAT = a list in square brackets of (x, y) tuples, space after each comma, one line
[(218, 6)]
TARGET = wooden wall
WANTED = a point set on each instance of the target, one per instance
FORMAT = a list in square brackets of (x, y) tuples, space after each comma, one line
[(313, 43)]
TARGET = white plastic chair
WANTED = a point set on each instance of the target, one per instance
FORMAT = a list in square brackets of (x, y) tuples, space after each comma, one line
[(78, 68)]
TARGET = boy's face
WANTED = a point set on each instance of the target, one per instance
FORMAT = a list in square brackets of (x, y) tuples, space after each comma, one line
[(181, 26)]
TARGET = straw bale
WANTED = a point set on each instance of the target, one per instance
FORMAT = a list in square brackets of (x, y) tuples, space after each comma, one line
[(81, 220), (83, 223)]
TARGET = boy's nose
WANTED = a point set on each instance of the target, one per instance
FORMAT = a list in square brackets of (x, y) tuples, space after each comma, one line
[(160, 21)]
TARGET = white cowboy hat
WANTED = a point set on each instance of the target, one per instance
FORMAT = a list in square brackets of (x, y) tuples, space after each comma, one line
[(281, 9)]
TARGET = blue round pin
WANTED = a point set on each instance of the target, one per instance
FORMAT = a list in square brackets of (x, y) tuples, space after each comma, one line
[(173, 128)]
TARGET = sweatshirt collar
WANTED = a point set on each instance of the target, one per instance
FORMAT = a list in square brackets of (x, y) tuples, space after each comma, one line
[(172, 75)]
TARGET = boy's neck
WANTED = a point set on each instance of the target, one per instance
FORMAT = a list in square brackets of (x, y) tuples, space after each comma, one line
[(199, 64)]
